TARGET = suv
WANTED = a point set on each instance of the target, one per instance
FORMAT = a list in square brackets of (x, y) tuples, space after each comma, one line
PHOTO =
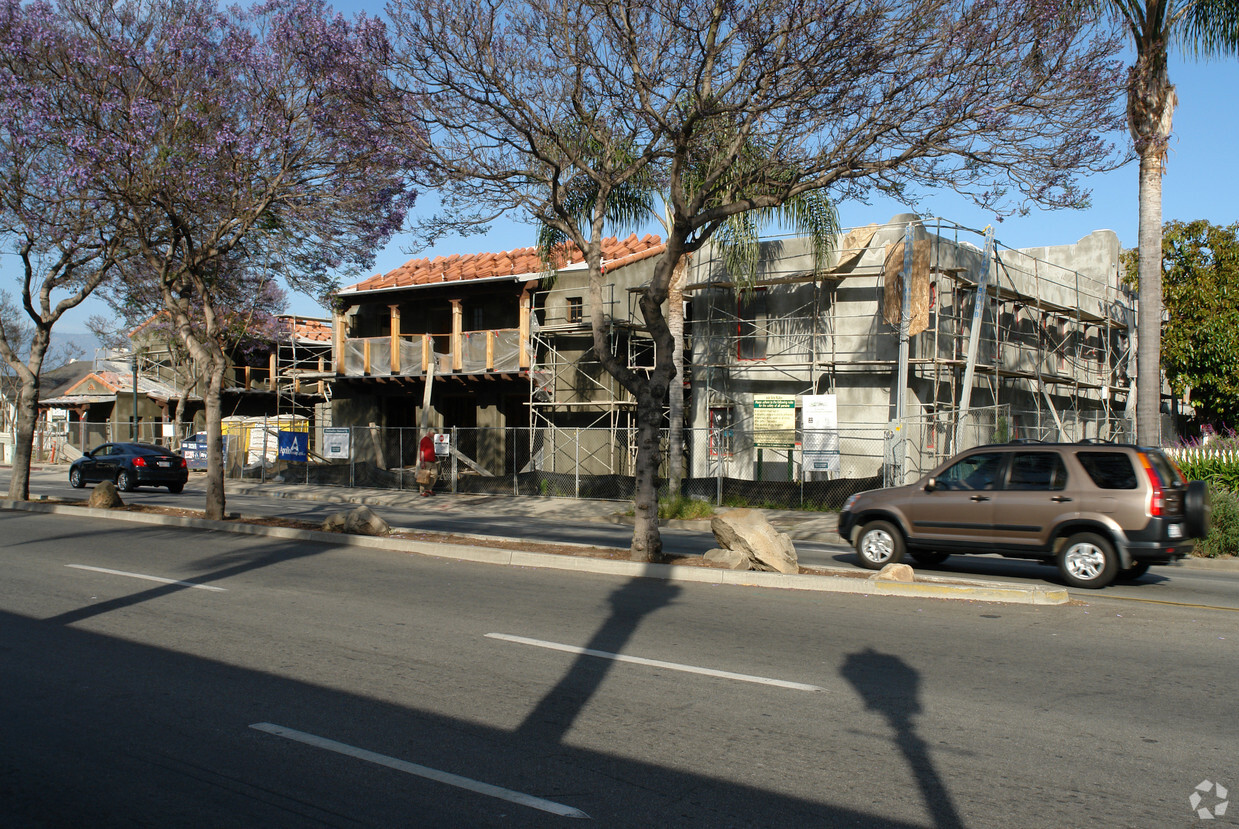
[(1101, 511)]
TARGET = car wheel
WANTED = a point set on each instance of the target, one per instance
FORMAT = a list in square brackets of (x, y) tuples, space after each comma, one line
[(1196, 509), (1088, 560), (175, 489), (1134, 572), (75, 478), (928, 558), (124, 481), (879, 544)]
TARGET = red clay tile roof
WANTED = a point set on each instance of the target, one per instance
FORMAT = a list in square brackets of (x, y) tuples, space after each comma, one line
[(519, 262), (307, 329)]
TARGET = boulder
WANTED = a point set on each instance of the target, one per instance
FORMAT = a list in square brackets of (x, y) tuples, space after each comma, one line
[(748, 532), (893, 572), (731, 559), (105, 496), (358, 521)]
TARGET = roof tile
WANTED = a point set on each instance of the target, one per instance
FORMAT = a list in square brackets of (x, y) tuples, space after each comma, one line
[(518, 262)]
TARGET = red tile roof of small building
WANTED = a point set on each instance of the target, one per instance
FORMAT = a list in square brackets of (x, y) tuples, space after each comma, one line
[(307, 329), (516, 263)]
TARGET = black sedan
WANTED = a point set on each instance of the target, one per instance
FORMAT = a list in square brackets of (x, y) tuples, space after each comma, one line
[(130, 465)]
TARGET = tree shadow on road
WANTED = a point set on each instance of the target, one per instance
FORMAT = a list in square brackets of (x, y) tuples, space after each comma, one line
[(554, 715), (891, 687)]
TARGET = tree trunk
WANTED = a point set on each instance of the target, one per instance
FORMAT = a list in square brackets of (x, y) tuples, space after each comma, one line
[(215, 505), (1149, 321), (23, 441), (647, 542), (28, 414)]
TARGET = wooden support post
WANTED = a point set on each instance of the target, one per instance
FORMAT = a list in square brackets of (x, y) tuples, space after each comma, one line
[(395, 338), (458, 317), (490, 350), (365, 357), (425, 354), (271, 385), (337, 341), (247, 378), (322, 387), (523, 336)]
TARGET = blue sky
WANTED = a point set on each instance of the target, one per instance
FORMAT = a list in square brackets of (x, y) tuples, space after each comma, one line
[(1201, 183)]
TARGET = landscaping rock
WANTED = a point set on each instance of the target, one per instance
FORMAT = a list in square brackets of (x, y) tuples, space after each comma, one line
[(105, 496), (749, 533), (359, 521), (893, 572), (731, 559)]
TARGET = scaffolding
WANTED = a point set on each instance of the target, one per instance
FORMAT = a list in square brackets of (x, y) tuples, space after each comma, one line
[(1053, 345)]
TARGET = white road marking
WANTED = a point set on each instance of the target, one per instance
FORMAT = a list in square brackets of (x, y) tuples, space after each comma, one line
[(421, 771), (147, 578), (655, 663)]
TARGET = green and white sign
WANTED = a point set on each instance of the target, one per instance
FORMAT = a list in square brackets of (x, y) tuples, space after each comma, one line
[(774, 421)]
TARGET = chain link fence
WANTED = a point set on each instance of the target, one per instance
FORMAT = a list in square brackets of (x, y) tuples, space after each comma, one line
[(724, 466), (917, 446), (720, 466)]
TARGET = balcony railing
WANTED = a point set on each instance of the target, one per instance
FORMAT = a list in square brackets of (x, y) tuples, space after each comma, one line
[(475, 352)]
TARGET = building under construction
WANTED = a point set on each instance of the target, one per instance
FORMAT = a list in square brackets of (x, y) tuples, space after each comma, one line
[(918, 339)]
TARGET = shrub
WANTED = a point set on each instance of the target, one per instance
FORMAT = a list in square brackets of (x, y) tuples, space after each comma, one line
[(684, 507), (1218, 466), (1223, 538)]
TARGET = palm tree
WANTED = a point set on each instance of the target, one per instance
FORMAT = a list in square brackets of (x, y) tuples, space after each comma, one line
[(1202, 28)]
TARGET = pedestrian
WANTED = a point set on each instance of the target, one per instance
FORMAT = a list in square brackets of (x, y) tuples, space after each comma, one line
[(429, 471)]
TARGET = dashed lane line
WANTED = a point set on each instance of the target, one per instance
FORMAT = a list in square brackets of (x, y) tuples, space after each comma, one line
[(421, 771), (159, 579), (656, 663)]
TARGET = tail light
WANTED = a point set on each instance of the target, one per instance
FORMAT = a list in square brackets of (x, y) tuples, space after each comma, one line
[(139, 462), (183, 464), (1157, 500)]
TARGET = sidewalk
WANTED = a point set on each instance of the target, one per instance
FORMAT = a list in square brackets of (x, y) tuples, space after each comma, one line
[(807, 526), (800, 526)]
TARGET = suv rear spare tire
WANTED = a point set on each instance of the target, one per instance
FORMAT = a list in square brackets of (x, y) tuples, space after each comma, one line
[(879, 544), (1088, 560), (1196, 509)]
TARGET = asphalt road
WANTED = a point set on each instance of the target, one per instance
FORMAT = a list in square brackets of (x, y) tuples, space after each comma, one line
[(1167, 584), (278, 683)]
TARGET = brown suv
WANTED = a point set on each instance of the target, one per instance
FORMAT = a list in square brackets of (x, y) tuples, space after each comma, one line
[(1101, 511)]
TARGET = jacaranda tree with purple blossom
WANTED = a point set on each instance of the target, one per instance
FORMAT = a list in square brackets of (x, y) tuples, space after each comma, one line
[(53, 214), (248, 326), (269, 133)]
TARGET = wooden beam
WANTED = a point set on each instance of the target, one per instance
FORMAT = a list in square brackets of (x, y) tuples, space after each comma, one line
[(365, 356), (395, 338), (337, 341), (523, 336), (490, 350), (458, 319)]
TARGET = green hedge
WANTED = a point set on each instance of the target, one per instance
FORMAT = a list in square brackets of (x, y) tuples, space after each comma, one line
[(1223, 538)]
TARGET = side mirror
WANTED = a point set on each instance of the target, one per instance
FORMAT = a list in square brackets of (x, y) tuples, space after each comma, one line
[(931, 485)]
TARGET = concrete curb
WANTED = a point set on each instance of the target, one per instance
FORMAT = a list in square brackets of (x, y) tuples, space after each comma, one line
[(926, 587)]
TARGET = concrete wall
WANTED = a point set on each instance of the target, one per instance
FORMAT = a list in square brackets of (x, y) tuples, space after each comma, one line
[(842, 322)]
